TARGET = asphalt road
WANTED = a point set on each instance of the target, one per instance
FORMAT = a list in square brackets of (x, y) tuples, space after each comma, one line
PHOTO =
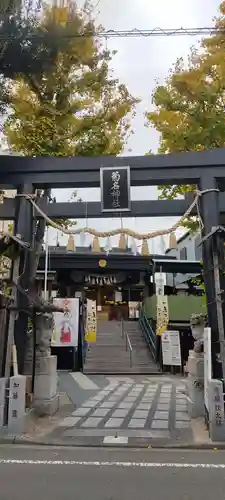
[(104, 474)]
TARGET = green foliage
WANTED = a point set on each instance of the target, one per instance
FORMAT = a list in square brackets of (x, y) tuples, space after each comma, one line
[(75, 107), (17, 24), (27, 47), (189, 107), (66, 223)]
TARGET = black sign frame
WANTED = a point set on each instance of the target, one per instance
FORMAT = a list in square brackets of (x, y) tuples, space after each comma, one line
[(104, 176)]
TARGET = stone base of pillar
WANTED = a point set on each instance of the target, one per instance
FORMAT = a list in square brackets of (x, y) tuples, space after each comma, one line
[(46, 399), (216, 410), (195, 385), (46, 407)]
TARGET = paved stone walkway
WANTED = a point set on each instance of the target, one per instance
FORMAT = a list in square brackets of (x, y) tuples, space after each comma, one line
[(131, 410)]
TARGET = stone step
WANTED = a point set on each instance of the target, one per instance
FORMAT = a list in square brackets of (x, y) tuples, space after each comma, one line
[(123, 370), (109, 355)]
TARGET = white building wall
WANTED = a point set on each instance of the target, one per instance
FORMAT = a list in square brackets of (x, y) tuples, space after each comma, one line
[(189, 244), (187, 249)]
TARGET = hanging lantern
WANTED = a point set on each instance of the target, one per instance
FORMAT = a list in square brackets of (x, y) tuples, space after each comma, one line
[(145, 249), (172, 241), (70, 244), (122, 242), (95, 245)]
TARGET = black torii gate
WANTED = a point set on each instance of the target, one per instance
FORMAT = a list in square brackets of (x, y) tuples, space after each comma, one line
[(206, 169)]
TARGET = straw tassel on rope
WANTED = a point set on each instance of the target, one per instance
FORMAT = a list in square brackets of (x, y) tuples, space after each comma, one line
[(145, 249), (122, 242), (70, 244), (114, 232), (95, 245), (172, 241)]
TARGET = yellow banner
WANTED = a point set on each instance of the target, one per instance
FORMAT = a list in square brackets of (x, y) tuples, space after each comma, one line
[(91, 322), (90, 336), (162, 314)]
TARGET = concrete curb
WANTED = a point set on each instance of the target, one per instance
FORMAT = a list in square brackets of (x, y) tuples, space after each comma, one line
[(129, 375), (9, 440)]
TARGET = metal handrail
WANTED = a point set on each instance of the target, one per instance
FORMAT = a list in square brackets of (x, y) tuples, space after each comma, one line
[(149, 334), (128, 345)]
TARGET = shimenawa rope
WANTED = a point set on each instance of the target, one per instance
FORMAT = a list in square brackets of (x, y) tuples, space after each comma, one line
[(126, 231)]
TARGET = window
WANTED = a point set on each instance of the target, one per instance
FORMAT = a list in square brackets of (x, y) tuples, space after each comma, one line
[(183, 253)]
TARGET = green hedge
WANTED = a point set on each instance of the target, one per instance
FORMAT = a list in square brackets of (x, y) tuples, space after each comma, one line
[(180, 307)]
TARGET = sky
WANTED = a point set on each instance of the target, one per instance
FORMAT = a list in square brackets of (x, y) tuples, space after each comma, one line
[(138, 63)]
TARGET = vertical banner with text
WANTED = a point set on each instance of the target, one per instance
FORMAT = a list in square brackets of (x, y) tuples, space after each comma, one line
[(162, 313), (171, 351), (115, 189), (91, 322)]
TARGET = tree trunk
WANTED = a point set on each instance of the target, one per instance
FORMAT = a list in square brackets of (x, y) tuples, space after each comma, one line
[(30, 267)]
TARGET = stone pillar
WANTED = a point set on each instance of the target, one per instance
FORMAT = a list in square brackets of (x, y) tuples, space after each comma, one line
[(16, 410), (195, 385), (195, 382), (46, 399), (216, 410), (28, 361)]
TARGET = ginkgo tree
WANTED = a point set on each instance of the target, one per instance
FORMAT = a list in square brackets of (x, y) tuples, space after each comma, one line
[(190, 106), (75, 107), (26, 47)]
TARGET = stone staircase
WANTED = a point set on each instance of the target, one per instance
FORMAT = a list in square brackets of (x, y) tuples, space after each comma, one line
[(109, 354)]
